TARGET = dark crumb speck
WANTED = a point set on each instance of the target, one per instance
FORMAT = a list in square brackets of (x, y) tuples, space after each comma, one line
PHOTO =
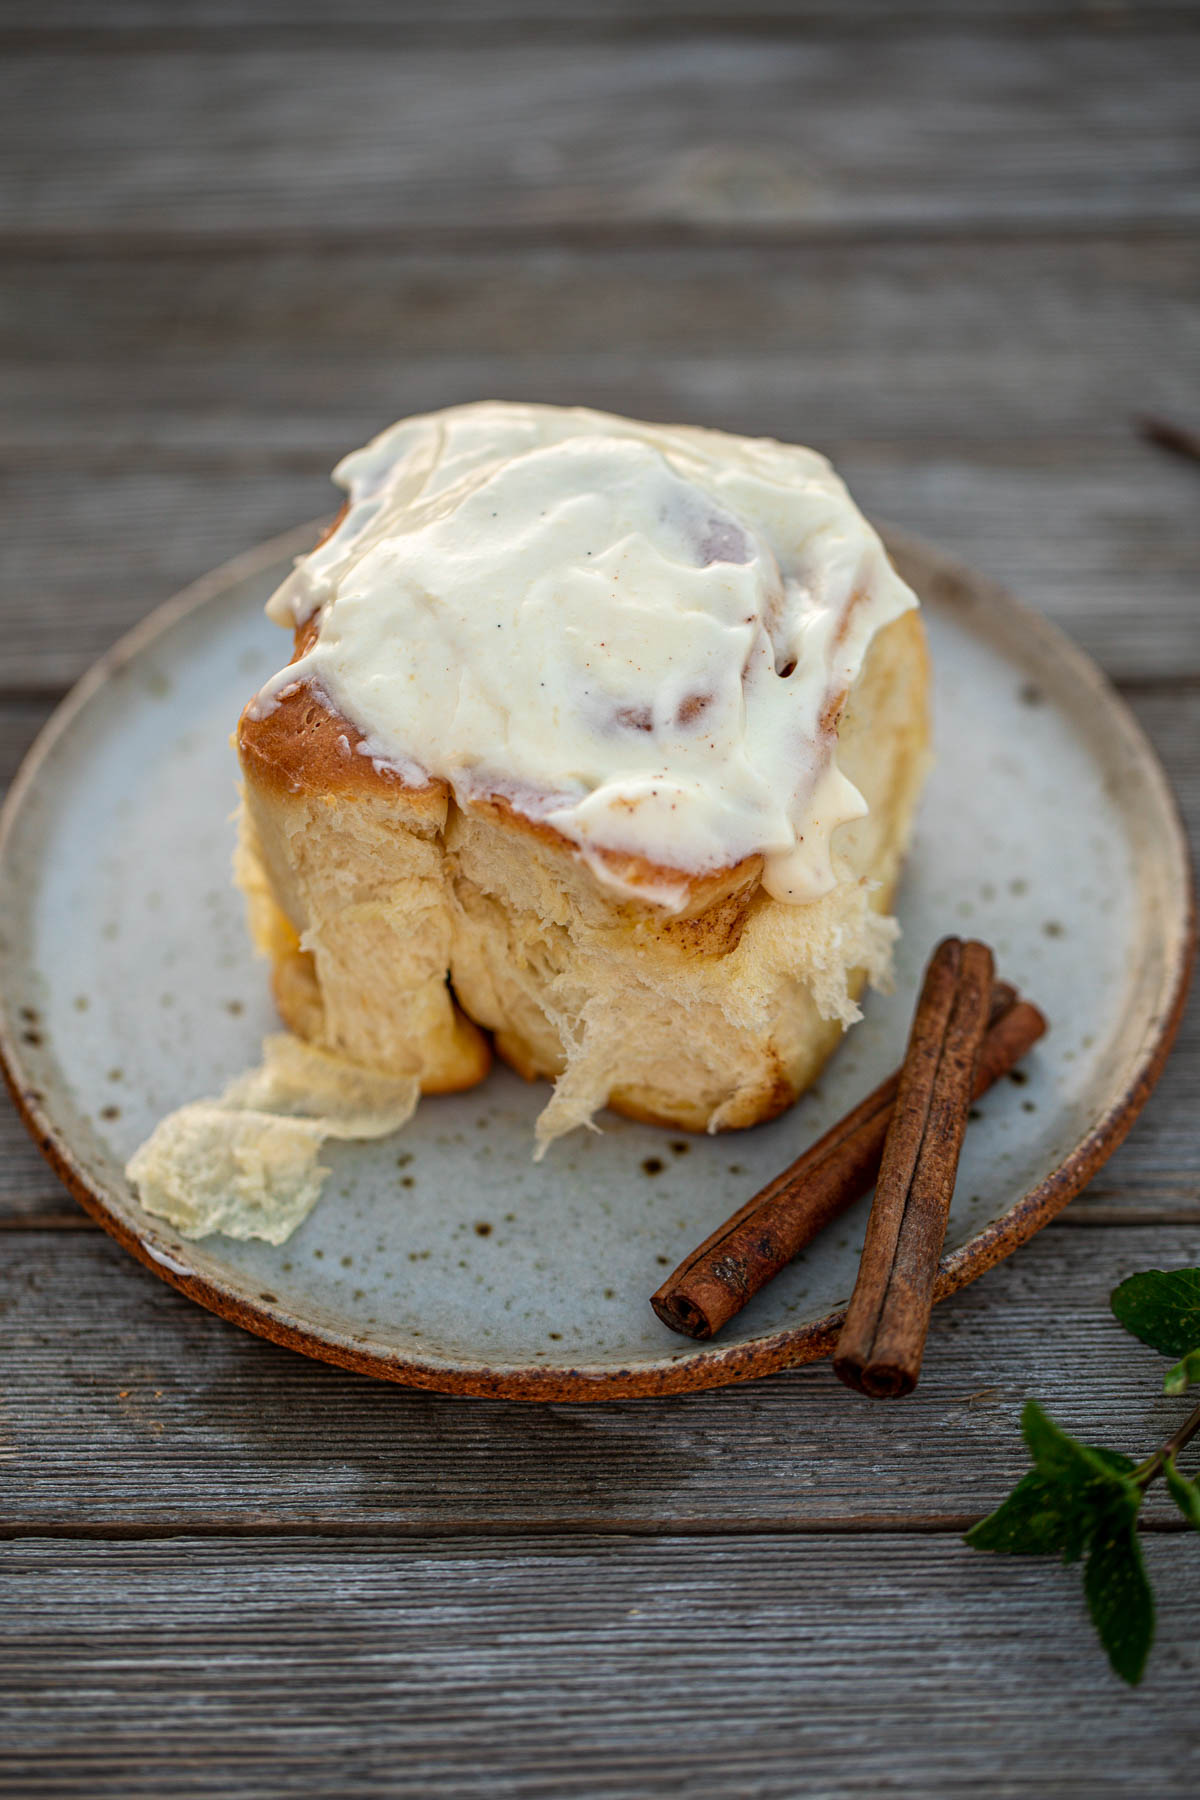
[(1018, 1077), (680, 1146), (234, 1008), (402, 1162), (736, 1169), (610, 1293), (653, 1165), (347, 1262), (483, 1229), (318, 1256), (556, 1335), (664, 1260), (974, 1113), (1053, 929), (110, 1112), (82, 1003), (510, 1218), (271, 1299), (482, 1123), (1029, 1105), (407, 1181), (29, 1014), (116, 1074), (34, 1038), (1032, 695)]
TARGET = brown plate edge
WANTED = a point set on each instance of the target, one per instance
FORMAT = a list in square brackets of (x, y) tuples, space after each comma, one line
[(695, 1370)]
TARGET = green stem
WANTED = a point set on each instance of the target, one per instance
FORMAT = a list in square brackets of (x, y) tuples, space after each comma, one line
[(1153, 1466)]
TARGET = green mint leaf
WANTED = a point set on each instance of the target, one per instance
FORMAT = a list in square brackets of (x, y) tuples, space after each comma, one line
[(1039, 1518), (1176, 1380), (1055, 1509), (1185, 1493), (1118, 1592), (1064, 1459), (1111, 1459), (1162, 1307)]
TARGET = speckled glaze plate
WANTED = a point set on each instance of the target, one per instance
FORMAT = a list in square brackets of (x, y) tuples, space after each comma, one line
[(444, 1257)]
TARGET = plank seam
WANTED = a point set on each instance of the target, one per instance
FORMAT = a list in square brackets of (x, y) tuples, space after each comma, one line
[(510, 1530), (661, 235)]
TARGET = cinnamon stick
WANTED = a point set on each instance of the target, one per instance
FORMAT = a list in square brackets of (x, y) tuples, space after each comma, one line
[(741, 1256), (882, 1341)]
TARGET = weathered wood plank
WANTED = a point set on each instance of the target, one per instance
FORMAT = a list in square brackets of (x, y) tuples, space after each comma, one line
[(128, 1406), (1157, 1168), (238, 357), (720, 1670), (703, 133), (1101, 538)]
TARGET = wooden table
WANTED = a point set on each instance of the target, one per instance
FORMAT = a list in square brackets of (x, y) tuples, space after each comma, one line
[(956, 249)]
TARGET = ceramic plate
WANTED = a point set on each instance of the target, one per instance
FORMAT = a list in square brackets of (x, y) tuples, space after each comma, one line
[(444, 1257)]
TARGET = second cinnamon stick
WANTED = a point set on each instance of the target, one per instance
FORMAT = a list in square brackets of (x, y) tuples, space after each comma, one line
[(883, 1339), (711, 1286)]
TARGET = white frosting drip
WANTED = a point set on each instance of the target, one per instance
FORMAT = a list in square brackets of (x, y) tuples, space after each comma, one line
[(633, 632)]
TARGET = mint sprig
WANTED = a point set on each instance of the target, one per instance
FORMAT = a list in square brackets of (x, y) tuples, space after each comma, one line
[(1081, 1501), (1162, 1307)]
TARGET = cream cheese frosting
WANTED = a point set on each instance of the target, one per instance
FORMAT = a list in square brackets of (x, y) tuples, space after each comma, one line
[(638, 634)]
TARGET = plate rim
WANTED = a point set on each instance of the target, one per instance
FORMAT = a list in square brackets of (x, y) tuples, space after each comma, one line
[(684, 1371)]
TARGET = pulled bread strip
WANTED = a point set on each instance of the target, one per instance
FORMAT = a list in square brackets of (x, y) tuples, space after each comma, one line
[(882, 1341), (722, 1274)]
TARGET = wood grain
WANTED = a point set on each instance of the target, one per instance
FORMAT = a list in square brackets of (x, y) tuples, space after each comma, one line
[(720, 1670), (244, 353), (789, 135)]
